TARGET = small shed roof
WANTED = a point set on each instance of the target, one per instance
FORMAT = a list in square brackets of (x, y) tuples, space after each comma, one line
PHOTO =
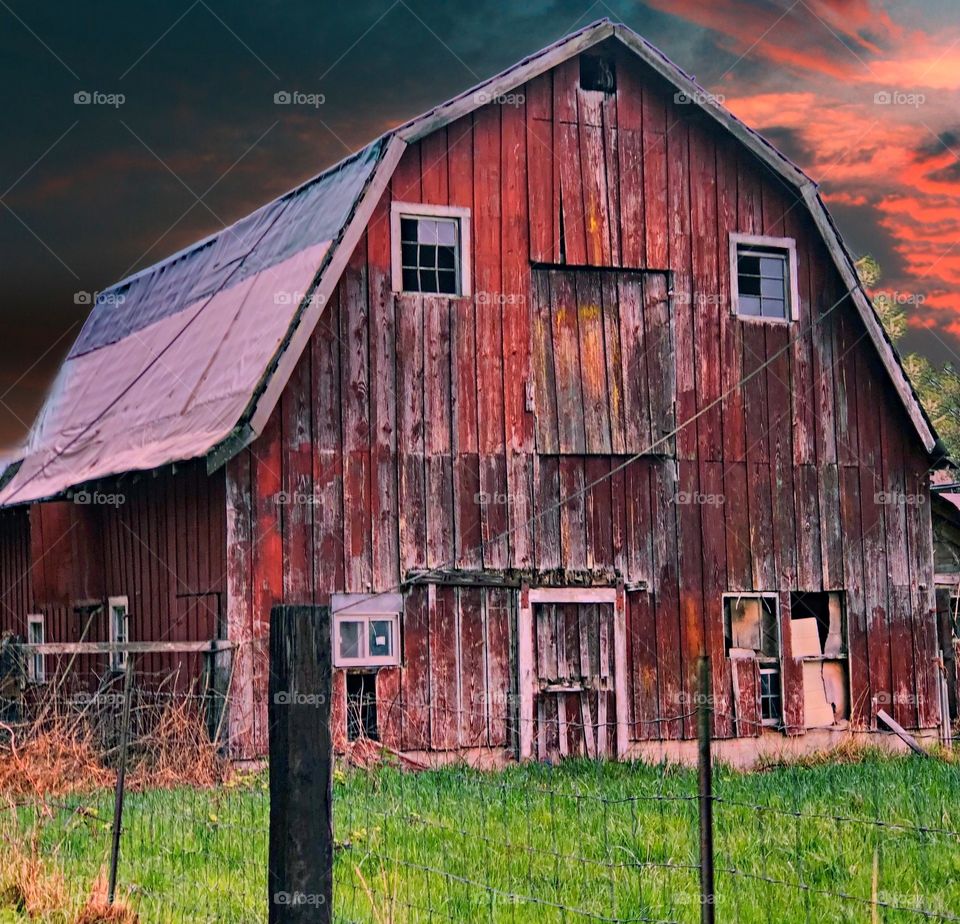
[(188, 358)]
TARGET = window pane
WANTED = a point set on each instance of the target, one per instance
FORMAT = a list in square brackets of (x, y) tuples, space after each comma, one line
[(34, 633), (447, 282), (446, 257), (770, 638), (774, 308), (427, 256), (410, 283), (747, 265), (748, 285), (350, 637), (772, 267), (427, 231), (749, 305), (771, 288), (381, 638), (447, 233), (428, 280), (408, 254), (770, 695), (408, 229)]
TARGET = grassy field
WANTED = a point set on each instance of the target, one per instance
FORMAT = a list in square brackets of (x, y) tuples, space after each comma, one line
[(582, 842)]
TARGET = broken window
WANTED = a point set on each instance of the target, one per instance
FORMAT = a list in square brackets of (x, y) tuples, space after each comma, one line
[(37, 664), (751, 625), (119, 630), (361, 705), (597, 73), (818, 639), (430, 249), (764, 274)]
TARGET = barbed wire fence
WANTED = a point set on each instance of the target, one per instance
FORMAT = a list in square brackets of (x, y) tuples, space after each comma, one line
[(575, 841)]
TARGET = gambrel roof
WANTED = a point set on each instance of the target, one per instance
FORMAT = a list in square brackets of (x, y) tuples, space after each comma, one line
[(189, 357)]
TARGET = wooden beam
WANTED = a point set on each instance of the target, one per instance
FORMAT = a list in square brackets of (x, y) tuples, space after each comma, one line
[(573, 595), (525, 669), (901, 733), (94, 648)]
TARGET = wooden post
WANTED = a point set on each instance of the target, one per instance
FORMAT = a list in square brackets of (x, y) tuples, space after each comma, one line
[(705, 767), (121, 781), (300, 874)]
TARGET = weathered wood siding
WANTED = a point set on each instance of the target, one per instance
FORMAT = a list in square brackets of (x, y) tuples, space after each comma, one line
[(409, 430), (158, 539)]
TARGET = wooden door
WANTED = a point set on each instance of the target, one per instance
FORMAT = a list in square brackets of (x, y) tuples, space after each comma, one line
[(575, 708)]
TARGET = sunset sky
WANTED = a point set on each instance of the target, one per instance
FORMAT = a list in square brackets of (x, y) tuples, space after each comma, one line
[(863, 94)]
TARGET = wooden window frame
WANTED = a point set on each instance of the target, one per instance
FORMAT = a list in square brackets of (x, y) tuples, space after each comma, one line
[(457, 213), (366, 608), (37, 663), (787, 244), (763, 661), (118, 659)]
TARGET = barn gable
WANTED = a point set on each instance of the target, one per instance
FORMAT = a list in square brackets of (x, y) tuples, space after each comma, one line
[(190, 357)]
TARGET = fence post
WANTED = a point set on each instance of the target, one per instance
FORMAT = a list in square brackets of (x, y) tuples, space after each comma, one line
[(121, 780), (300, 874), (704, 713)]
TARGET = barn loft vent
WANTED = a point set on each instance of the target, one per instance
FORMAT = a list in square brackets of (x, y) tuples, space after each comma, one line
[(597, 73)]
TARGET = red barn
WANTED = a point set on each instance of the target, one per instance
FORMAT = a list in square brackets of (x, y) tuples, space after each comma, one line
[(546, 392)]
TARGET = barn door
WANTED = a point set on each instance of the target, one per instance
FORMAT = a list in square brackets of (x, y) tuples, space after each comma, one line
[(575, 704)]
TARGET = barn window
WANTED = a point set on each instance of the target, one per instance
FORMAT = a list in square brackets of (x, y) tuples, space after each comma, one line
[(366, 630), (362, 705), (597, 73), (36, 635), (431, 249), (751, 627), (118, 608), (763, 273)]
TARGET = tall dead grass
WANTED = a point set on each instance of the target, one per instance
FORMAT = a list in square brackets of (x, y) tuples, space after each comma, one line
[(66, 751)]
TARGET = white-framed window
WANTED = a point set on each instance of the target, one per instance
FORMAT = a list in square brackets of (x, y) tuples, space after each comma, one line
[(751, 628), (36, 635), (366, 629), (119, 615), (763, 278), (430, 249)]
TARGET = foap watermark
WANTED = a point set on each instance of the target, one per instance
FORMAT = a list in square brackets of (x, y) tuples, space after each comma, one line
[(299, 899), (699, 299), (698, 498), (298, 98), (98, 98), (483, 97), (902, 298), (99, 499), (698, 96), (98, 298), (493, 498), (291, 297), (898, 499), (501, 298), (293, 698), (295, 499), (898, 98)]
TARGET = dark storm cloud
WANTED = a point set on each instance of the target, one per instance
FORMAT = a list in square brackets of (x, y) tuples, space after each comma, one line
[(946, 140)]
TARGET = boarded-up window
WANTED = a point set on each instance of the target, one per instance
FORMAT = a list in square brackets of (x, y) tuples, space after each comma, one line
[(604, 377)]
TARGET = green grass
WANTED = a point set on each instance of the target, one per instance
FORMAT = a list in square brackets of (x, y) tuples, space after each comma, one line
[(576, 843)]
